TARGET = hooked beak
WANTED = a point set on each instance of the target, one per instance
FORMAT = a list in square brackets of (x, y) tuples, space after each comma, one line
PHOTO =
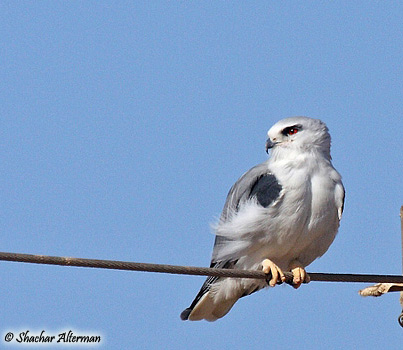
[(269, 144)]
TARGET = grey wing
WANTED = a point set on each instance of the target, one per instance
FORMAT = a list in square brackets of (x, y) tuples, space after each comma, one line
[(340, 197), (257, 183)]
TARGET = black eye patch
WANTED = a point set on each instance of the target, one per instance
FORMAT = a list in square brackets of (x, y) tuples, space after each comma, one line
[(291, 130)]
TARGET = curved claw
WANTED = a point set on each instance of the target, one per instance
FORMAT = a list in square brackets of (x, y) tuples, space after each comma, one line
[(299, 273), (269, 266)]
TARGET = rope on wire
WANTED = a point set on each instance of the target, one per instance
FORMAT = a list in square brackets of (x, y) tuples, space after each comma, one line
[(190, 270)]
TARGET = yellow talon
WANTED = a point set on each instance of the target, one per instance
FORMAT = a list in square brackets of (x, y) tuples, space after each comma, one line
[(269, 266), (299, 274)]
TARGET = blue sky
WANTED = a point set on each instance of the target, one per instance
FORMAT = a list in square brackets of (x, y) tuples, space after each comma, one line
[(123, 126)]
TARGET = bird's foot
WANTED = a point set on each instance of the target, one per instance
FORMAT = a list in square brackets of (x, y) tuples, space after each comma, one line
[(276, 273), (299, 273)]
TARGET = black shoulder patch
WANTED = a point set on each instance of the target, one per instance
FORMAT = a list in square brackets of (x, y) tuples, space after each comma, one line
[(266, 189)]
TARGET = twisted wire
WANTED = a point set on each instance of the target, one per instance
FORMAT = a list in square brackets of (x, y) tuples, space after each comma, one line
[(190, 270)]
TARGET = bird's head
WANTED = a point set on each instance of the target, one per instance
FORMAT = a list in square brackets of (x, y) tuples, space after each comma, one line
[(299, 134)]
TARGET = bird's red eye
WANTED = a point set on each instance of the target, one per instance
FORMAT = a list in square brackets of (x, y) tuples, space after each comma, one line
[(291, 130)]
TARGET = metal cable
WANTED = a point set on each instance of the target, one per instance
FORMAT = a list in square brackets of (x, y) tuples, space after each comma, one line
[(190, 270), (400, 319)]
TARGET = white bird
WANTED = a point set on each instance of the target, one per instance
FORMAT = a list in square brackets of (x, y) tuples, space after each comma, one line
[(279, 216)]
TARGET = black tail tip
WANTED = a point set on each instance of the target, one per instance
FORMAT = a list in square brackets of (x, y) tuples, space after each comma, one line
[(185, 314)]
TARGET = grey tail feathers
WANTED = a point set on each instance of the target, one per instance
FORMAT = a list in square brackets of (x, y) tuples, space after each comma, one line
[(206, 287)]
